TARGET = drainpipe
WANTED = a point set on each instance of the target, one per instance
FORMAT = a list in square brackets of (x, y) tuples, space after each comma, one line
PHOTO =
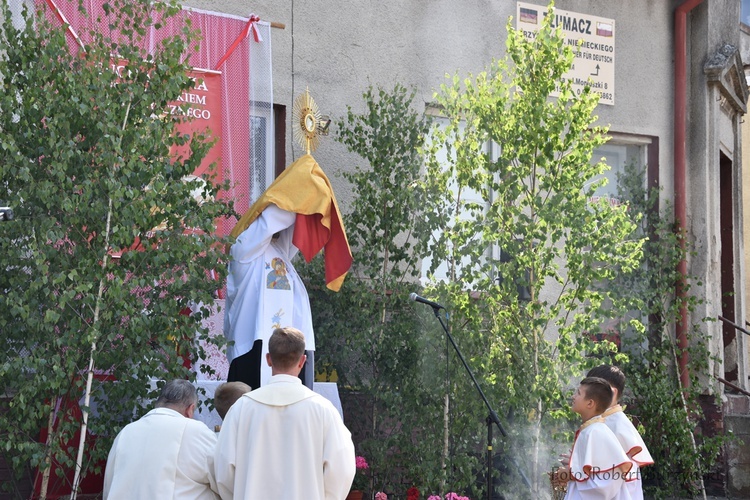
[(680, 199), (680, 184)]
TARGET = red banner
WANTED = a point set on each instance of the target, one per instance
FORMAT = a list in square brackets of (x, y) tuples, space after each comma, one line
[(202, 107), (219, 36)]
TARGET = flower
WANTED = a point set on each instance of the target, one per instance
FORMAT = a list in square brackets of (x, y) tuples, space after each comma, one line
[(434, 497), (361, 463), (360, 478), (381, 496), (412, 493), (455, 496)]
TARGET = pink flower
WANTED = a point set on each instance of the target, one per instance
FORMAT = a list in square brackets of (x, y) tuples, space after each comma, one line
[(434, 497), (361, 463), (381, 496), (455, 496)]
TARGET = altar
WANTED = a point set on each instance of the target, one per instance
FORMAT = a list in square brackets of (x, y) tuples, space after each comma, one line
[(210, 417), (217, 361)]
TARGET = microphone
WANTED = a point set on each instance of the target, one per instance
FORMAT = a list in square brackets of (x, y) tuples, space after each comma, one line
[(417, 298)]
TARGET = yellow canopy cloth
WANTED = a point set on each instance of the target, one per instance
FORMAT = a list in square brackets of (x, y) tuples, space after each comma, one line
[(304, 189)]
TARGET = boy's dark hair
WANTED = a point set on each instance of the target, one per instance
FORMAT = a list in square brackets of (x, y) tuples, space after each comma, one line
[(611, 374), (227, 394), (286, 346), (599, 390)]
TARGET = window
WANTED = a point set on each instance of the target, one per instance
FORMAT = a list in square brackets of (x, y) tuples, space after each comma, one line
[(261, 148), (279, 119), (627, 149), (641, 152), (617, 154)]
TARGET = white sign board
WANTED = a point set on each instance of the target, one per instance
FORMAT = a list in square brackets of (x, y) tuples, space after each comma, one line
[(595, 56)]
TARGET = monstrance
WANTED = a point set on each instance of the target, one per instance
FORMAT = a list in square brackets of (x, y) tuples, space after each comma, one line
[(308, 123)]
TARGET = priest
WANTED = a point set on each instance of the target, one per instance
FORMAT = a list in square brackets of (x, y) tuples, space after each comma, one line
[(283, 441), (298, 212)]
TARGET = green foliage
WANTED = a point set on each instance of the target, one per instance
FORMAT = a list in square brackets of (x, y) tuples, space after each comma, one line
[(85, 163), (389, 369), (505, 200), (386, 355), (530, 199), (669, 413), (387, 224), (522, 217)]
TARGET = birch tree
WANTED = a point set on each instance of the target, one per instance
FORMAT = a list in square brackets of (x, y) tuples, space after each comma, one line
[(529, 243), (112, 239)]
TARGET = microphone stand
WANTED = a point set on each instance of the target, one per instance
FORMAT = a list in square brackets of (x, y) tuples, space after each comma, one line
[(492, 418)]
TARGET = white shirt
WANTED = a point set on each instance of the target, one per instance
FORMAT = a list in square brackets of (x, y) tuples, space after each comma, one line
[(633, 446), (598, 465), (162, 455), (283, 441)]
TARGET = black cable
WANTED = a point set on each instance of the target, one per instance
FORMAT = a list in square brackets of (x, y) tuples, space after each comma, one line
[(291, 117)]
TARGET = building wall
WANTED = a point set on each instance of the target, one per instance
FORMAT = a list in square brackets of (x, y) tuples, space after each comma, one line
[(703, 184), (338, 48), (713, 129)]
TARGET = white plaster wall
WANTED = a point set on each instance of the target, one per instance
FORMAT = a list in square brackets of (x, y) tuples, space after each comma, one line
[(711, 130), (340, 47)]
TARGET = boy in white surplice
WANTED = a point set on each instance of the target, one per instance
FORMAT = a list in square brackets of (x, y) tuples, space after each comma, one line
[(598, 465), (628, 436)]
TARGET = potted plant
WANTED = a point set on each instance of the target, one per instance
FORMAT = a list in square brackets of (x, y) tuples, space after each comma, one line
[(360, 479)]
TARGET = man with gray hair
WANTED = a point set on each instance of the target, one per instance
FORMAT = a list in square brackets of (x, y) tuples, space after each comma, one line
[(165, 453)]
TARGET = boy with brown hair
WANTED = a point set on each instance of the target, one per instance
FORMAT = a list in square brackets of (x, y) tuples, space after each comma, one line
[(226, 395), (626, 433), (598, 466)]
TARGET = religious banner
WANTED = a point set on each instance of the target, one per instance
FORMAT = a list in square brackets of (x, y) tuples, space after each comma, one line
[(238, 47), (201, 107), (199, 112), (236, 52)]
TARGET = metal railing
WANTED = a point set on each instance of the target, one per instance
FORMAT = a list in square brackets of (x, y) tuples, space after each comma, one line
[(726, 382), (738, 327)]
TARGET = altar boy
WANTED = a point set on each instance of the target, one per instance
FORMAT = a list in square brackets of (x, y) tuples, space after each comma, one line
[(628, 436), (598, 465)]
